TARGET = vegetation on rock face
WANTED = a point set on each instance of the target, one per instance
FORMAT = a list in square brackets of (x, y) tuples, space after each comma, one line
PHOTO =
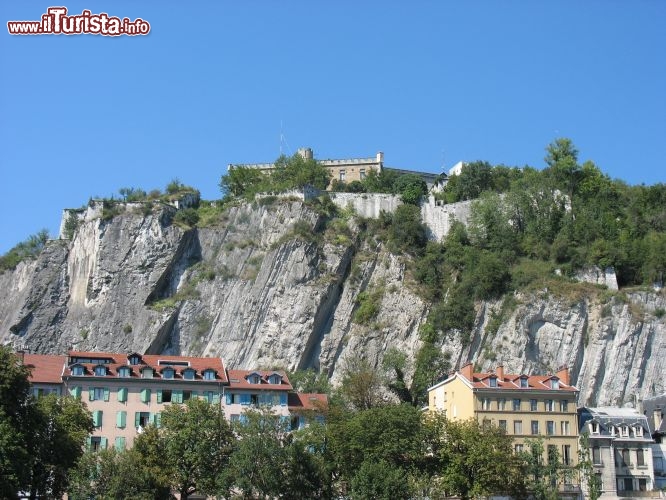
[(27, 249)]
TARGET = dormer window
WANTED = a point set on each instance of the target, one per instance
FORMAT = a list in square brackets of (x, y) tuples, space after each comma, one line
[(275, 378), (167, 373), (594, 427), (254, 378), (492, 381), (124, 371), (523, 382), (554, 383), (189, 374), (624, 430), (147, 373), (134, 359), (209, 374), (612, 429), (638, 431), (78, 370), (100, 371)]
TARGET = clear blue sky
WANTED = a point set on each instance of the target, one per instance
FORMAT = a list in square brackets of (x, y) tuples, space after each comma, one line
[(428, 83)]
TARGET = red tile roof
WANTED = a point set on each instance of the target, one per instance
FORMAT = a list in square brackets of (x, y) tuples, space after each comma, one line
[(307, 401), (45, 368), (155, 361), (512, 382), (238, 380)]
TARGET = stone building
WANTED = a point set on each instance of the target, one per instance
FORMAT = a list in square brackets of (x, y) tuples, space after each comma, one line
[(655, 410), (620, 448)]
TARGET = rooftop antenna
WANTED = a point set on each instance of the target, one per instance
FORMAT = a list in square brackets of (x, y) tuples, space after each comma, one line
[(283, 140)]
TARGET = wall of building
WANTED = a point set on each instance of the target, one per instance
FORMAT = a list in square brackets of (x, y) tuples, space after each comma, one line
[(454, 397), (367, 205), (439, 217)]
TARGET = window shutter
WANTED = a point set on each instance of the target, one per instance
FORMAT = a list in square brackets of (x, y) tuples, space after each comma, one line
[(159, 395), (194, 395), (230, 398), (106, 393), (91, 393), (120, 443), (158, 420), (245, 399), (242, 419), (153, 418), (97, 418), (177, 396), (76, 392), (283, 399), (121, 419), (89, 443), (122, 394), (145, 395), (216, 398), (103, 442), (137, 418)]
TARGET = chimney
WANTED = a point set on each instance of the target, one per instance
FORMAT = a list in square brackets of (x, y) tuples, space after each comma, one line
[(467, 371), (499, 371), (563, 375), (380, 157)]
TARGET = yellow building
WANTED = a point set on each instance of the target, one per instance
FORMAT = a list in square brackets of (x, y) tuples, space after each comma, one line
[(525, 406)]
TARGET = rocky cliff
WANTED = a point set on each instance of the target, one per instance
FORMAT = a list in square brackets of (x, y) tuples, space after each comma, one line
[(271, 284)]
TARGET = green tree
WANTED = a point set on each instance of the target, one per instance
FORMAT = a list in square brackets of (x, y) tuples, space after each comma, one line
[(362, 384), (591, 482), (240, 181), (410, 187), (196, 442), (542, 476), (27, 249), (407, 232), (309, 381), (380, 182), (478, 460), (296, 171), (379, 480)]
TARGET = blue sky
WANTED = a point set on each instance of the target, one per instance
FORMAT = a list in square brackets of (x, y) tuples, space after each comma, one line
[(427, 83)]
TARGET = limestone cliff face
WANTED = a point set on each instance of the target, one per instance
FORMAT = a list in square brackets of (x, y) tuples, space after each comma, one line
[(269, 285)]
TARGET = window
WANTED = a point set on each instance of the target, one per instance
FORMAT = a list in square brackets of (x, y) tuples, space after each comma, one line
[(362, 173), (96, 443), (502, 425), (164, 396), (121, 419), (517, 427), (524, 382), (626, 460), (98, 393), (550, 427), (147, 373), (145, 395), (485, 404), (552, 454), (624, 430), (533, 405), (564, 405), (535, 427), (642, 484), (209, 374), (501, 404), (235, 418), (596, 455), (254, 378), (134, 360), (640, 457), (341, 173), (214, 397), (518, 448), (516, 405), (564, 427), (594, 427), (554, 383), (122, 395), (275, 378), (638, 431), (97, 418), (120, 443), (566, 454), (167, 373), (492, 381), (124, 372), (141, 419), (78, 370), (76, 392), (628, 484), (100, 371), (549, 405), (188, 374)]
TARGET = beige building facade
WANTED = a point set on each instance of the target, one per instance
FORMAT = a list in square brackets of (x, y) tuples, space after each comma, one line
[(526, 407)]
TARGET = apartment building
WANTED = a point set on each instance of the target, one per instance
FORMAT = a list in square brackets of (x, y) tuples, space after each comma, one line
[(654, 409), (620, 448), (126, 392), (524, 406)]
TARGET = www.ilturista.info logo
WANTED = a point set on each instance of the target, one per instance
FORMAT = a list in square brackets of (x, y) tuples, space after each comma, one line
[(57, 22)]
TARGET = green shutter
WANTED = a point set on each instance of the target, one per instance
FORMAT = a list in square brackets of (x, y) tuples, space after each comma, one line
[(216, 398), (194, 395), (76, 392), (91, 393), (137, 418), (122, 394), (153, 418), (120, 443), (106, 393), (159, 395), (89, 442), (121, 419), (97, 418), (158, 419), (145, 395), (177, 396), (103, 443)]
